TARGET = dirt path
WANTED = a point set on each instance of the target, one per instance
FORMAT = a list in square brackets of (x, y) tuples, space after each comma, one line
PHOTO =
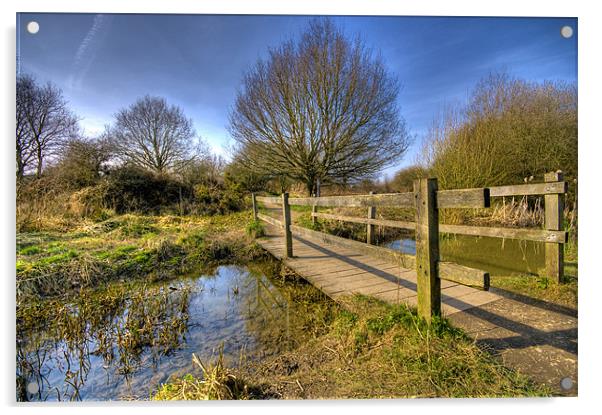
[(534, 337)]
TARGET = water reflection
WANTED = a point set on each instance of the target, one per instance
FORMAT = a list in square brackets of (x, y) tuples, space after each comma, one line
[(123, 344), (495, 255)]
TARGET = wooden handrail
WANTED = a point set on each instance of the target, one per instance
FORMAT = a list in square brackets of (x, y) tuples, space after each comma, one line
[(540, 235)]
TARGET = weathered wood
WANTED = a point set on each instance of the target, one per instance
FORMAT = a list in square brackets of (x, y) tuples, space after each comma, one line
[(427, 248), (463, 198), (348, 272), (286, 219), (405, 260), (387, 199), (270, 220), (254, 203), (269, 200), (529, 189), (540, 235), (507, 233), (553, 211), (369, 227), (376, 222), (463, 275), (448, 270)]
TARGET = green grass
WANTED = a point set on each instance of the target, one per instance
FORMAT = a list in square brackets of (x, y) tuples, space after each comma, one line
[(128, 247), (373, 350)]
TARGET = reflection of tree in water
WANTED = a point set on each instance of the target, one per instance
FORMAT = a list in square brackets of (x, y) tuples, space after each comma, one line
[(118, 325), (283, 315)]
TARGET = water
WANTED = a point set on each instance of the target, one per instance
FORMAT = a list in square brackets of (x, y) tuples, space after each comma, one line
[(243, 308), (500, 257)]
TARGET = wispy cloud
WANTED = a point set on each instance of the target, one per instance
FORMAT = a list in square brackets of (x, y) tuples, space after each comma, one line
[(87, 50)]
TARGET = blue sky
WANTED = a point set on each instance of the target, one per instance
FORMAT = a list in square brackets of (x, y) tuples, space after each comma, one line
[(105, 62)]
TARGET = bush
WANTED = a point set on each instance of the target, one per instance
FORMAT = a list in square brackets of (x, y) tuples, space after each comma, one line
[(510, 129), (131, 189)]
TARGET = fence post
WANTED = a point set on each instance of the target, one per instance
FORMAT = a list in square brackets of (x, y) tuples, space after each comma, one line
[(288, 237), (427, 248), (254, 201), (554, 210), (314, 208), (370, 227)]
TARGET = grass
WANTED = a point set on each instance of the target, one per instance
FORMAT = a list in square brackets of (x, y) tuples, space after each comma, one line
[(373, 350), (541, 287), (127, 247), (217, 383)]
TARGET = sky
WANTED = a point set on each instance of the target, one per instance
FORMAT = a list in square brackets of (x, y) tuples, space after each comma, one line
[(104, 62)]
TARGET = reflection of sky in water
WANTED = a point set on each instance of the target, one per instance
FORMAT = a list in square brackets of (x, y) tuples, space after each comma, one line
[(255, 320), (495, 255)]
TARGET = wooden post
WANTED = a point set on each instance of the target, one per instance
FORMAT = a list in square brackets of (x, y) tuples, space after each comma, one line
[(288, 237), (427, 248), (370, 227), (314, 209), (554, 210), (254, 206)]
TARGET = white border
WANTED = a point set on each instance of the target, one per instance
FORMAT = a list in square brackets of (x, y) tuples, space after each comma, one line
[(589, 156)]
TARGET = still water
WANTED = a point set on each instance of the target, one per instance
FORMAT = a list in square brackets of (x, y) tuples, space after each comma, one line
[(127, 349), (500, 257)]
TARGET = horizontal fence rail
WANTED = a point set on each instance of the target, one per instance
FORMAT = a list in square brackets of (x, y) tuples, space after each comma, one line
[(531, 189), (539, 235), (426, 200), (461, 198), (448, 270)]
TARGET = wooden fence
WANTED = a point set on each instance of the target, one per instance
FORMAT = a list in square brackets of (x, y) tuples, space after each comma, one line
[(426, 200)]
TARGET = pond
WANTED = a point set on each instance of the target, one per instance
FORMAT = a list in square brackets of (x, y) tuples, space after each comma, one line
[(500, 257), (123, 343)]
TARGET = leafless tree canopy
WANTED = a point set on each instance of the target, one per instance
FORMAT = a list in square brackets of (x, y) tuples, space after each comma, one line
[(43, 123), (320, 109), (153, 135)]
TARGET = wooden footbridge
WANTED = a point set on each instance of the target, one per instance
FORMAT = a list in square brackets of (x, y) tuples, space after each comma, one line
[(340, 267)]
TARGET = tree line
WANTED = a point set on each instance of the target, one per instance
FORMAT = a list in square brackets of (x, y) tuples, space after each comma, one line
[(318, 111)]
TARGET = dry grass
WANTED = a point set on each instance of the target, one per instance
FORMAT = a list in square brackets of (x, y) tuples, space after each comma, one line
[(217, 382), (126, 247), (378, 351)]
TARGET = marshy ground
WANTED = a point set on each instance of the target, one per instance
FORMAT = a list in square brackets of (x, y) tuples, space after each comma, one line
[(122, 289)]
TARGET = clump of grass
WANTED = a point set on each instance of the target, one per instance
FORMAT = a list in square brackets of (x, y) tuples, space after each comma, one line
[(216, 383), (255, 229), (382, 351)]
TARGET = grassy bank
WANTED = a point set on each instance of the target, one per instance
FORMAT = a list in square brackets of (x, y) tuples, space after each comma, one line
[(373, 351), (125, 247)]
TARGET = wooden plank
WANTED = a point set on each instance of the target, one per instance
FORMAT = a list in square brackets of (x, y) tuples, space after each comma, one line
[(464, 275), (463, 198), (268, 200), (447, 270), (541, 235), (387, 199), (553, 211), (427, 248), (376, 222), (529, 189), (406, 261), (286, 220), (270, 220)]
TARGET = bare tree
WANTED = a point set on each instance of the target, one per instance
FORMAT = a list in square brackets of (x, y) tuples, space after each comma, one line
[(153, 135), (322, 109), (43, 123)]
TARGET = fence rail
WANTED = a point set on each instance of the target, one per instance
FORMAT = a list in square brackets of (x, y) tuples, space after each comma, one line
[(426, 200)]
